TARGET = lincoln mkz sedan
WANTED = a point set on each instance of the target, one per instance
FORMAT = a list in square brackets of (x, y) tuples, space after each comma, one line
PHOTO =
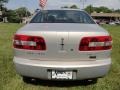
[(62, 45)]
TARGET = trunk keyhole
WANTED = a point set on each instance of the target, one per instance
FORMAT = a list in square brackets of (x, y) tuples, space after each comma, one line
[(71, 49)]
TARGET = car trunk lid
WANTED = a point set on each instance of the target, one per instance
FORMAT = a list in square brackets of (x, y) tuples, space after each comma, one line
[(62, 42)]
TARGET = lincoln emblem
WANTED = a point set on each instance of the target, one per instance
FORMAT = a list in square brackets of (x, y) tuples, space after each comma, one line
[(62, 44)]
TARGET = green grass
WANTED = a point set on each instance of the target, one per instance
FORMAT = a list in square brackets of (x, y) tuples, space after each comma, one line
[(9, 80)]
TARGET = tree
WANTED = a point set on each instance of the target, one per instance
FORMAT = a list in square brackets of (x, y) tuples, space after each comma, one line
[(102, 9), (89, 9), (2, 2), (65, 7), (74, 7), (3, 9), (16, 16), (117, 11), (22, 12), (13, 16)]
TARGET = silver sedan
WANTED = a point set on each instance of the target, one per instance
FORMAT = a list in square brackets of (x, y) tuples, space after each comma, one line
[(62, 45)]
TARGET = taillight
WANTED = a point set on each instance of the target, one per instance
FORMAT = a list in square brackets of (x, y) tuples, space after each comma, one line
[(95, 43), (29, 42)]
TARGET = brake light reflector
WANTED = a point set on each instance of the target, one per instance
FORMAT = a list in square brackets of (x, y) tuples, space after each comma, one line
[(29, 42), (95, 43)]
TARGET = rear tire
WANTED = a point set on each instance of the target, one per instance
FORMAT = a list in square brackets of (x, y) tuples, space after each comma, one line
[(27, 79), (91, 81), (94, 80)]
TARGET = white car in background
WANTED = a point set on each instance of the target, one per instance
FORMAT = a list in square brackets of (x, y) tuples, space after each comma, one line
[(62, 45), (112, 23), (115, 23)]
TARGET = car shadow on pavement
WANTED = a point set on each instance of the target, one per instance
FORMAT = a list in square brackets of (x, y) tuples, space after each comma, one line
[(50, 83)]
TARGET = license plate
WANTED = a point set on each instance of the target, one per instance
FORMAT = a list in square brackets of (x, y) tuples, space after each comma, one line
[(62, 74)]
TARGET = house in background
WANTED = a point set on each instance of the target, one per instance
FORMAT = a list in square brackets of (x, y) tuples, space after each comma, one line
[(1, 16), (25, 20), (106, 18)]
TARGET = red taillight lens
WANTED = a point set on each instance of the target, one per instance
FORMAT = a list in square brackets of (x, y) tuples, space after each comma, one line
[(29, 42), (95, 43)]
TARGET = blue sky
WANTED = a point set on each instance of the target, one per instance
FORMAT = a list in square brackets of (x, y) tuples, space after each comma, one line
[(33, 4)]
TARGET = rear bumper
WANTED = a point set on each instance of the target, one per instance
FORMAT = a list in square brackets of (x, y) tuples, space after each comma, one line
[(81, 69)]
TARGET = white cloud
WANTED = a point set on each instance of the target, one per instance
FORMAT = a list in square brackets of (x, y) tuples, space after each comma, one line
[(33, 4), (60, 3), (109, 3)]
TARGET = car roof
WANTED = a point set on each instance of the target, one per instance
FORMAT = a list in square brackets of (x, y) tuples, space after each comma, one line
[(65, 9)]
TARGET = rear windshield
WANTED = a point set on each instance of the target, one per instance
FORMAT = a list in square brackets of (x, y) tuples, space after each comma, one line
[(62, 16)]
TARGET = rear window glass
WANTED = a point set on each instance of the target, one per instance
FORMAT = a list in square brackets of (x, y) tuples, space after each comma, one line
[(62, 16)]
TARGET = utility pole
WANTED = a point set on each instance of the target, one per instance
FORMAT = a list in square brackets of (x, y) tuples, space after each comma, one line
[(83, 3), (25, 4), (25, 19)]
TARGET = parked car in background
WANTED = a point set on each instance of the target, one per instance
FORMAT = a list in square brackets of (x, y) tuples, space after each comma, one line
[(112, 23), (115, 23), (62, 45)]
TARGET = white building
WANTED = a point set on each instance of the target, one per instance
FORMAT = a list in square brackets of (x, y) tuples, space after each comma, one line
[(0, 15)]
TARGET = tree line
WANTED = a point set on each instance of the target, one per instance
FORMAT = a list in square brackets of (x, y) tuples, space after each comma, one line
[(91, 9), (14, 16), (17, 15)]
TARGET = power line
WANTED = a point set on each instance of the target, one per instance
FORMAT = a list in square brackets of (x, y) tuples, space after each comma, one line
[(83, 3)]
